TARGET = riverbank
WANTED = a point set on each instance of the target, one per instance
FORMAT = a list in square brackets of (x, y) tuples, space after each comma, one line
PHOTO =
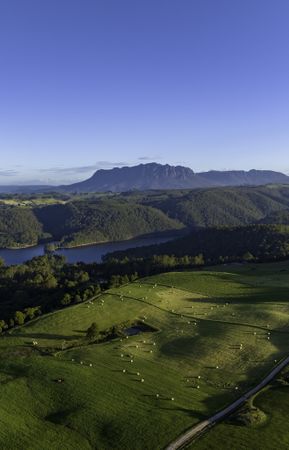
[(88, 253), (161, 235), (170, 235), (21, 247)]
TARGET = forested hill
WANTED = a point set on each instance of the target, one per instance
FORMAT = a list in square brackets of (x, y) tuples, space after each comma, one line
[(81, 219), (83, 222), (281, 217), (218, 206), (253, 242), (19, 227)]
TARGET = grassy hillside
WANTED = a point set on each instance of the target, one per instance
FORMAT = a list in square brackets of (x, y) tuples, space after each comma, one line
[(271, 433), (191, 366)]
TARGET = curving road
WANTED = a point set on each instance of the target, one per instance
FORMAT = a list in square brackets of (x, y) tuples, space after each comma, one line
[(187, 437)]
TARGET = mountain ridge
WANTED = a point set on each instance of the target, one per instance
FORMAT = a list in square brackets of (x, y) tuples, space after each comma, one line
[(158, 176), (155, 176)]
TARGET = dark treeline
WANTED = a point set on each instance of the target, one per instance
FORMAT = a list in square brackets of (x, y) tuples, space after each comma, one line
[(42, 285), (217, 245)]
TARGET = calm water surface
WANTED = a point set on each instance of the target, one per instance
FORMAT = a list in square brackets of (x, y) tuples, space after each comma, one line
[(88, 254)]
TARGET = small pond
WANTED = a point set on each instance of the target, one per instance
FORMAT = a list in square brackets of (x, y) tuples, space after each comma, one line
[(138, 328)]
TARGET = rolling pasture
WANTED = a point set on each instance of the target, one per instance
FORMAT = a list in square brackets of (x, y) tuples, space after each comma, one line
[(271, 434), (217, 333)]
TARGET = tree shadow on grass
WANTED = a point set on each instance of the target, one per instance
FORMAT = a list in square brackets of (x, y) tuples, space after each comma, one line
[(202, 300), (15, 370), (46, 336), (219, 401), (189, 412), (62, 416), (194, 346)]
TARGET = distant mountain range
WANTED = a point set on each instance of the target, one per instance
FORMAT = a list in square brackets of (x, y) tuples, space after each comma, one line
[(157, 176)]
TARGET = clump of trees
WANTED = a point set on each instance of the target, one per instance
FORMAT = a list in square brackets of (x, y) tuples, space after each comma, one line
[(42, 285), (92, 332)]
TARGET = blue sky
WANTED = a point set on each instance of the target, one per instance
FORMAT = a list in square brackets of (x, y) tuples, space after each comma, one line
[(93, 84)]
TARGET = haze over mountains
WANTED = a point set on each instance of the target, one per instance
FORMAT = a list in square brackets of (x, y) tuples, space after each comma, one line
[(158, 176)]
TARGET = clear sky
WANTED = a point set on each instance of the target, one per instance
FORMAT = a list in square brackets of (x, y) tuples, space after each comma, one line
[(86, 84)]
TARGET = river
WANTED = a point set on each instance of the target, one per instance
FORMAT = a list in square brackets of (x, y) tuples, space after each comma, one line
[(86, 254)]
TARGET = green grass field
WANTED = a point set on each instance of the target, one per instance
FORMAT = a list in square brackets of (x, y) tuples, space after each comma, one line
[(219, 333), (271, 434)]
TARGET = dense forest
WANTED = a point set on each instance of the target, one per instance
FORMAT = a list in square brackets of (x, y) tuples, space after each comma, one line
[(19, 227), (217, 245), (82, 219), (281, 217), (82, 222), (218, 206)]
